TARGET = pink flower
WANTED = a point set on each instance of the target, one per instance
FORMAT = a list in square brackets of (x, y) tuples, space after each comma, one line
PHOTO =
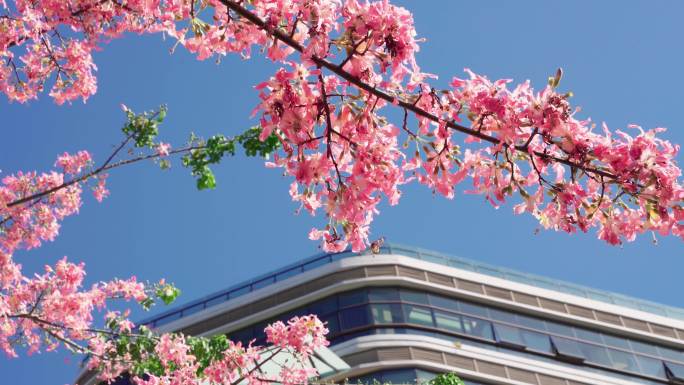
[(304, 334), (163, 149), (100, 191), (74, 164)]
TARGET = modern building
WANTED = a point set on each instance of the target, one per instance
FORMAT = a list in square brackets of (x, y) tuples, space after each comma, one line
[(407, 313)]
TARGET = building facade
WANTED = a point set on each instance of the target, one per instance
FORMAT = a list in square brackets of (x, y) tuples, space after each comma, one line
[(406, 314)]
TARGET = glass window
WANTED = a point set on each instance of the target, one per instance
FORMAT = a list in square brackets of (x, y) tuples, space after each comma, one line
[(560, 329), (478, 328), (383, 294), (596, 354), (351, 298), (332, 323), (259, 338), (353, 317), (536, 341), (475, 310), (244, 335), (450, 322), (259, 330), (623, 360), (530, 322), (650, 366), (508, 335), (567, 349), (414, 296), (616, 342), (418, 315), (443, 302), (362, 379), (503, 316), (399, 376), (324, 306), (589, 336), (646, 348), (423, 375), (674, 371), (670, 354), (292, 313), (386, 313)]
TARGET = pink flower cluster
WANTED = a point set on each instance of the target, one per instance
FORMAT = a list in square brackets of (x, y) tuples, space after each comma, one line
[(345, 157), (43, 310), (236, 363), (74, 164), (303, 334)]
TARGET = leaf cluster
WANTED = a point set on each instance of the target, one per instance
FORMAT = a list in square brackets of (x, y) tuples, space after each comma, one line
[(217, 147), (446, 379), (167, 293), (143, 128)]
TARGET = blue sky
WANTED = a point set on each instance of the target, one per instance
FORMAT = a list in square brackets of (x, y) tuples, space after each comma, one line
[(623, 61)]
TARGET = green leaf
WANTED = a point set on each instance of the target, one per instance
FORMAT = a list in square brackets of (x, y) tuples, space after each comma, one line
[(167, 293), (218, 147), (143, 128), (206, 179), (446, 379)]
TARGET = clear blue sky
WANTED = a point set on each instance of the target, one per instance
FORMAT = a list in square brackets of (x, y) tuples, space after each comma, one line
[(623, 60)]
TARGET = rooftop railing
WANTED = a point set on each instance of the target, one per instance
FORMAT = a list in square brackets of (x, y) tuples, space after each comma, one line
[(316, 261)]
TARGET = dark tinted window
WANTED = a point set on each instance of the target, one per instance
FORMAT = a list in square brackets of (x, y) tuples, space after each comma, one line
[(324, 306), (400, 376), (383, 294), (353, 298), (475, 310), (332, 323), (500, 315), (443, 302), (414, 296), (353, 317), (244, 335)]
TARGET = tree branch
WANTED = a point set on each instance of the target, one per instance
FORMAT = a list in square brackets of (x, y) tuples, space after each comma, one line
[(285, 38)]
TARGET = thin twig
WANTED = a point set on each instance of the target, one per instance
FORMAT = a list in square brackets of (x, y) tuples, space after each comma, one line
[(328, 122)]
